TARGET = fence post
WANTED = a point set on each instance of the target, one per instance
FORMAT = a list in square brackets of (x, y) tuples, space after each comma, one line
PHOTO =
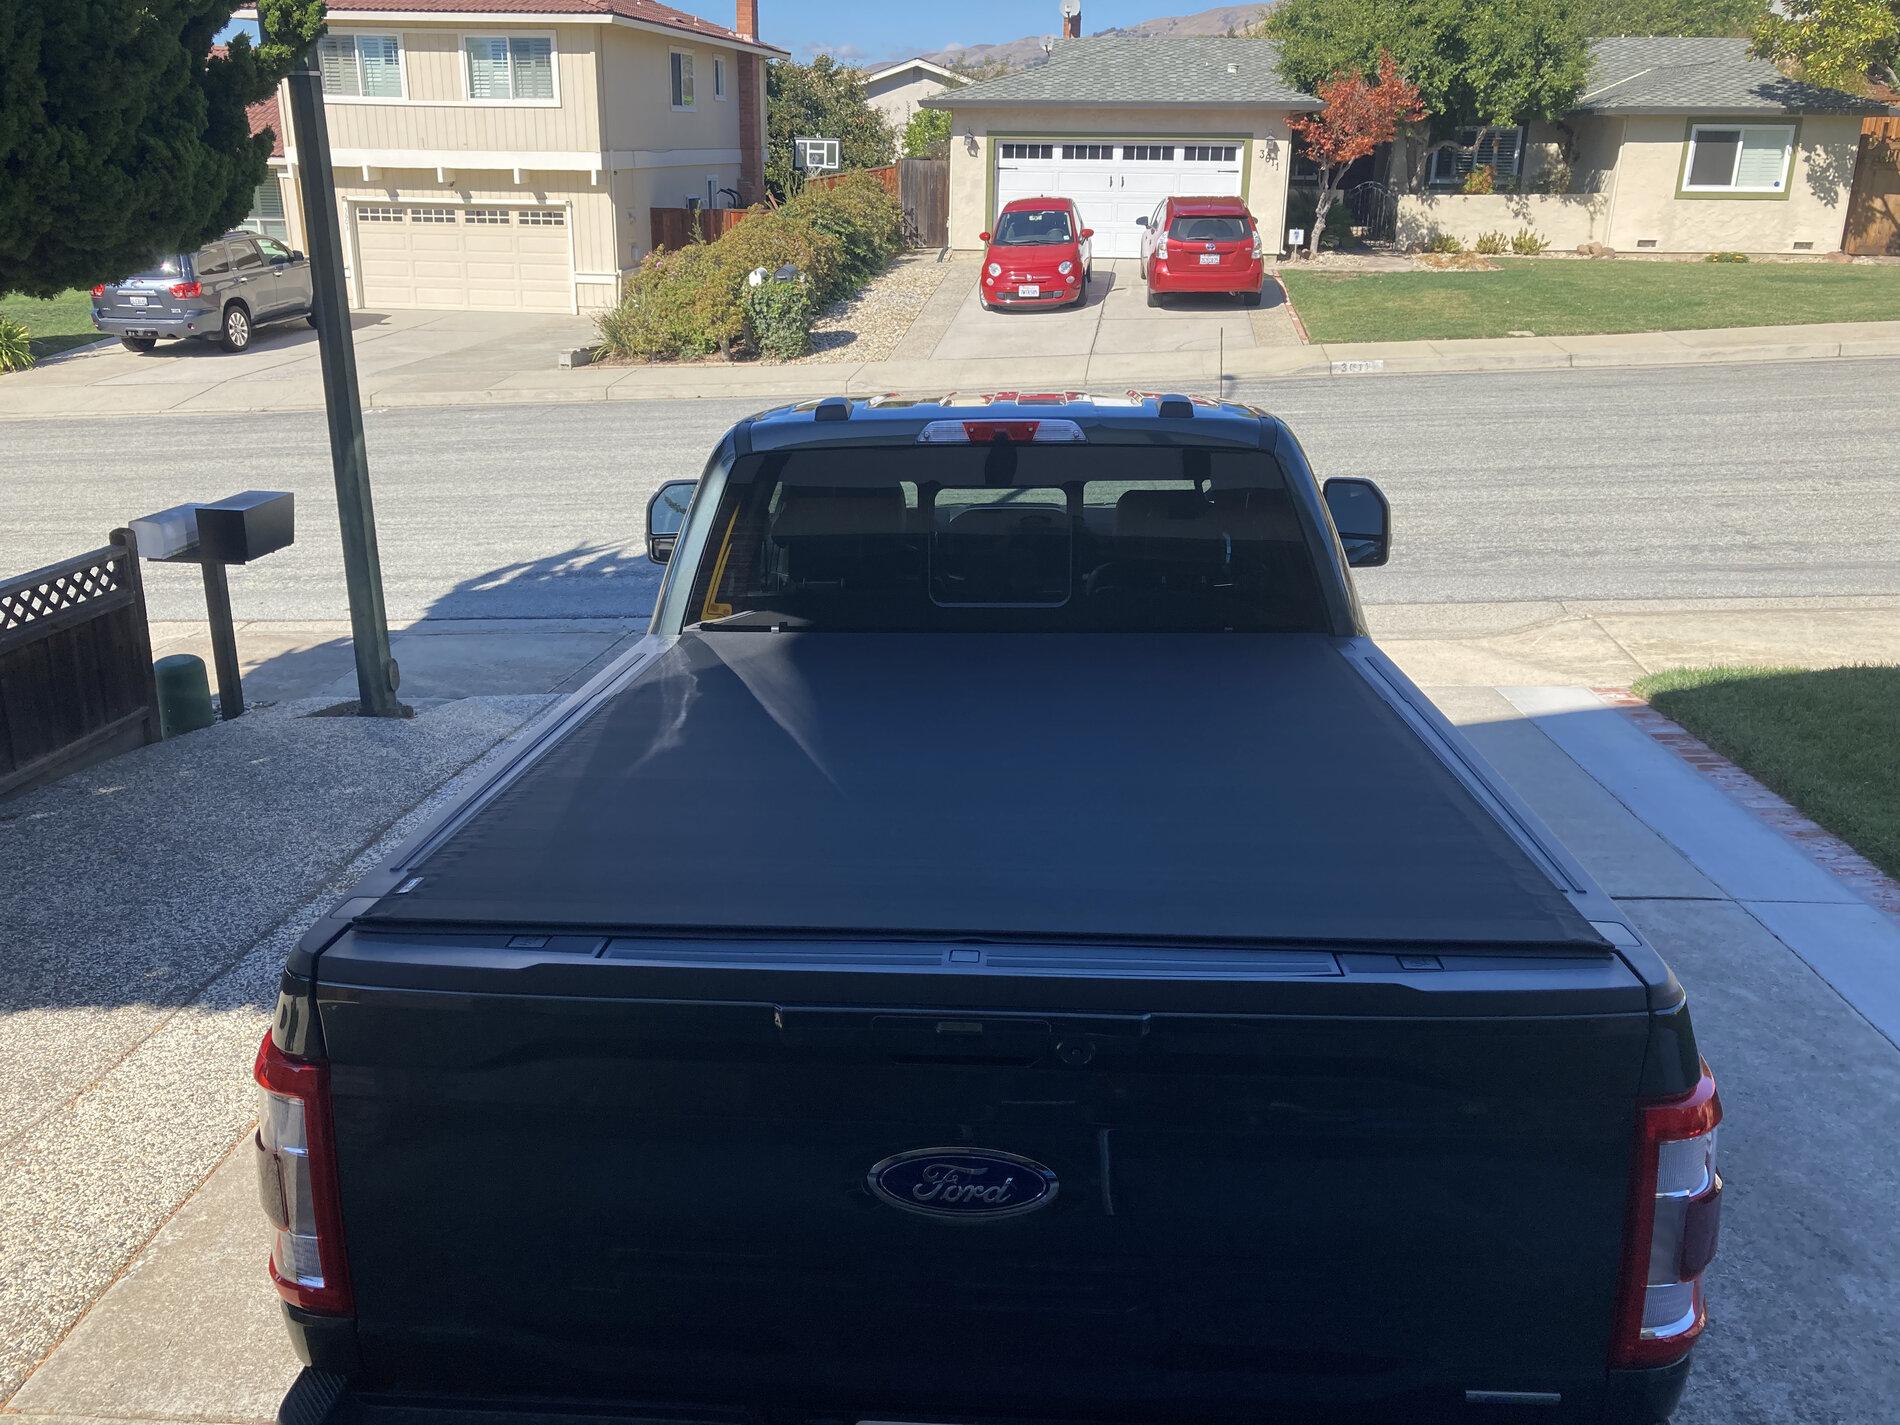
[(128, 545)]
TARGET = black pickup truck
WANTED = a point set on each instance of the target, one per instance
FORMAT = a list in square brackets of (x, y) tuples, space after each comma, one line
[(1006, 947)]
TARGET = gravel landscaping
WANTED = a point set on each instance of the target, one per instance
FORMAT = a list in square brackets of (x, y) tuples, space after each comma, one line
[(868, 326)]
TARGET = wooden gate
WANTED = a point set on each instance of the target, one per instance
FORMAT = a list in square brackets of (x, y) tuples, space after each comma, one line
[(923, 186), (75, 665), (1873, 207)]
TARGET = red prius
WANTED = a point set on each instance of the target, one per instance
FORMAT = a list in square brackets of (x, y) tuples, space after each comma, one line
[(1202, 245), (1037, 257)]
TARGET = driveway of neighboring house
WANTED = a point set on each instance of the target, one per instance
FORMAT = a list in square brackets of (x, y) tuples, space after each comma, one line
[(413, 352)]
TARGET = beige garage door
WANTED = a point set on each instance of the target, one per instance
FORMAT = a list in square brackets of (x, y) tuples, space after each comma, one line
[(484, 259)]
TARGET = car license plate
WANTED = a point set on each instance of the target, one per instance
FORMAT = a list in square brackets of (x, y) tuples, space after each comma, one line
[(1210, 259), (153, 335), (138, 301), (1030, 291)]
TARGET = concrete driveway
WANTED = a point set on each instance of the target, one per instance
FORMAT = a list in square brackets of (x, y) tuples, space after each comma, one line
[(1115, 320), (411, 352)]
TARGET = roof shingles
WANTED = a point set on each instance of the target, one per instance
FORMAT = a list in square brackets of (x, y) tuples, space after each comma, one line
[(1204, 70), (647, 11), (1700, 76)]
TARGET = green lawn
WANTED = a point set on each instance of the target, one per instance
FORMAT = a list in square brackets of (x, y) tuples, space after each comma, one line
[(1555, 297), (1827, 740), (56, 324)]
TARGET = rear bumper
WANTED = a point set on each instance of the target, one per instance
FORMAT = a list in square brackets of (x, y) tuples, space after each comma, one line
[(196, 324), (1171, 277)]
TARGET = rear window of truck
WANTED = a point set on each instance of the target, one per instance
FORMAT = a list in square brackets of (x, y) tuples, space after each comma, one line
[(1008, 537)]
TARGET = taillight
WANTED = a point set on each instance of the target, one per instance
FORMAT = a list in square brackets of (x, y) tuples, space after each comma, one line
[(187, 289), (1257, 249), (1669, 1238), (99, 290), (1161, 248), (296, 1179)]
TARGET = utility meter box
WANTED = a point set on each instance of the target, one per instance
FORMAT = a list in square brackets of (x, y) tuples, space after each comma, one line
[(247, 526)]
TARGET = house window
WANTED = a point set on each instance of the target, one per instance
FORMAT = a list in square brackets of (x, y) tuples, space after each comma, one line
[(1028, 150), (432, 215), (1738, 158), (267, 211), (1502, 150), (486, 217), (1092, 151), (682, 79), (719, 77), (1148, 152), (379, 215), (360, 66), (1210, 152), (542, 218), (509, 69)]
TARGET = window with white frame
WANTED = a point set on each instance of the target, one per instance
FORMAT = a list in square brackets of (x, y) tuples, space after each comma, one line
[(360, 66), (509, 69), (682, 79), (379, 214), (1738, 158), (485, 217), (1093, 152), (542, 218), (267, 211), (432, 215), (719, 77), (1148, 152), (1501, 150), (1026, 150), (1210, 152)]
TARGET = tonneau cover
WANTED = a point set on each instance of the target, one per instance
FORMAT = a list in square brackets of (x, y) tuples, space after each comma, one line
[(1218, 786)]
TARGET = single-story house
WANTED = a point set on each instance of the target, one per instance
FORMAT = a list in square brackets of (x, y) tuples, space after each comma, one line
[(507, 156), (1676, 145), (895, 90), (1119, 123)]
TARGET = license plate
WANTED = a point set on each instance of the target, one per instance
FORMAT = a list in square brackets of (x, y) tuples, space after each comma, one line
[(153, 335), (1031, 291), (138, 301), (1210, 259)]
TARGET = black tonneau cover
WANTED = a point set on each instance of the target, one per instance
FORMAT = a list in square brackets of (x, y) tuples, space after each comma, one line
[(1218, 786)]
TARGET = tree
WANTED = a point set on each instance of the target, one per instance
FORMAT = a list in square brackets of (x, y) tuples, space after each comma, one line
[(123, 135), (927, 135), (825, 100), (1728, 19), (1475, 65), (1839, 43), (1358, 117), (977, 70)]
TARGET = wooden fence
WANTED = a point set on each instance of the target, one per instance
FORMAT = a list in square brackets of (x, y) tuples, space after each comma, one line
[(1873, 207), (924, 189), (75, 665), (886, 175), (674, 227)]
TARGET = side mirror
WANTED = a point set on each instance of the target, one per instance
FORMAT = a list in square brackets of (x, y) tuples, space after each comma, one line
[(1141, 222), (1363, 518), (1087, 233), (295, 256), (983, 237), (666, 514)]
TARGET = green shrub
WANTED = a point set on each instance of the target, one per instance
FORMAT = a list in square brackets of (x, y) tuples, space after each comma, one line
[(676, 304), (1482, 179), (1491, 244), (1443, 242), (1726, 257), (1528, 242), (778, 319), (16, 353), (1303, 202)]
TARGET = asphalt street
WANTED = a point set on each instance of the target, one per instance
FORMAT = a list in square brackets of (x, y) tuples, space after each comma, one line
[(1712, 481)]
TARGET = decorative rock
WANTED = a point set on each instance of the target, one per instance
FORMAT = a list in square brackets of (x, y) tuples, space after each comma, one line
[(1595, 249)]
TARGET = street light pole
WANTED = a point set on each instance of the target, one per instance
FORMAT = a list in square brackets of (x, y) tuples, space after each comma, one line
[(376, 672)]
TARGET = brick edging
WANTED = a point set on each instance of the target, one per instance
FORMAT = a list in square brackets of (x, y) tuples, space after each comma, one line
[(1292, 311), (1821, 845)]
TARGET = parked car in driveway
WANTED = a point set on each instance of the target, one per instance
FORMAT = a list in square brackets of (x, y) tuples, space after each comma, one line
[(222, 292), (1202, 245), (1037, 257)]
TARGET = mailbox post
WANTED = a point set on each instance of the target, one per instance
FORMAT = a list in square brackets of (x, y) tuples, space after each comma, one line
[(236, 530)]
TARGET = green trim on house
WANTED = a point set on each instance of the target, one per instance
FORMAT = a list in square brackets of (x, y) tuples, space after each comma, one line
[(1245, 142), (1758, 121)]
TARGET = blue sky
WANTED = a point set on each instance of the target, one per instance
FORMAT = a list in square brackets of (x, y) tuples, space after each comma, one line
[(863, 31)]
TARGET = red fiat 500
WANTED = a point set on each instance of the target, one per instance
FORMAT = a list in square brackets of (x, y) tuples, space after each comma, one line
[(1201, 245), (1037, 257)]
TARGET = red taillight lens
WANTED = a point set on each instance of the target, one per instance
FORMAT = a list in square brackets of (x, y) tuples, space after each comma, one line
[(99, 290), (1671, 1227), (187, 289), (296, 1180)]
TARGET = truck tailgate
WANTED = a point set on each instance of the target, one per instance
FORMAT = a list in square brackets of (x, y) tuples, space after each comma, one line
[(639, 1169)]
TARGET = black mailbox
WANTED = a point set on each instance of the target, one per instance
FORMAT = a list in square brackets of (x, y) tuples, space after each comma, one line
[(246, 527)]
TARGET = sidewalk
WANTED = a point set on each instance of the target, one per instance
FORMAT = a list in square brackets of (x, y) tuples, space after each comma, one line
[(533, 378)]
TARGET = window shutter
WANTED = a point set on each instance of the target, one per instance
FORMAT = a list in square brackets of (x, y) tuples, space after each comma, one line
[(382, 66), (488, 69), (1764, 159), (533, 64), (336, 63)]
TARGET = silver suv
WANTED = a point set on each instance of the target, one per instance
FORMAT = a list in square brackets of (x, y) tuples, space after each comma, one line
[(222, 292)]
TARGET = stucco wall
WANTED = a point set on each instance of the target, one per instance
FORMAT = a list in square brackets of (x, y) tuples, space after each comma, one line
[(897, 101), (1814, 210), (1565, 220), (971, 143)]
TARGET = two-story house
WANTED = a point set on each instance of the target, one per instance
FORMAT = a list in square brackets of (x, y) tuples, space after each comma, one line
[(507, 156)]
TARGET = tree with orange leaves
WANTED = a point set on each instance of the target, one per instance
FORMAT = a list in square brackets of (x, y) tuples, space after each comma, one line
[(1360, 114)]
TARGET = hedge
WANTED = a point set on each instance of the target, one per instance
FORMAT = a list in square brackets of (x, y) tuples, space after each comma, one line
[(693, 301)]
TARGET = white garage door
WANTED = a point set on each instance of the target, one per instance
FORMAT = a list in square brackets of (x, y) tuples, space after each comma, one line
[(1115, 181), (486, 259)]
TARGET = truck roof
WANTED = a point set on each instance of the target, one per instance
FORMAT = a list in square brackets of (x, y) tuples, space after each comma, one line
[(1217, 788)]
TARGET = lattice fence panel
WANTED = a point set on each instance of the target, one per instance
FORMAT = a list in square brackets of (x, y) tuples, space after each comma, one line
[(22, 603)]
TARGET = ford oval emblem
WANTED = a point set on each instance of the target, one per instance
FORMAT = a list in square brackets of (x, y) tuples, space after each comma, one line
[(967, 1184)]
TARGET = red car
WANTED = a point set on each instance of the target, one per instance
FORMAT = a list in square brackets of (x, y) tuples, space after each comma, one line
[(1202, 245), (1037, 257)]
